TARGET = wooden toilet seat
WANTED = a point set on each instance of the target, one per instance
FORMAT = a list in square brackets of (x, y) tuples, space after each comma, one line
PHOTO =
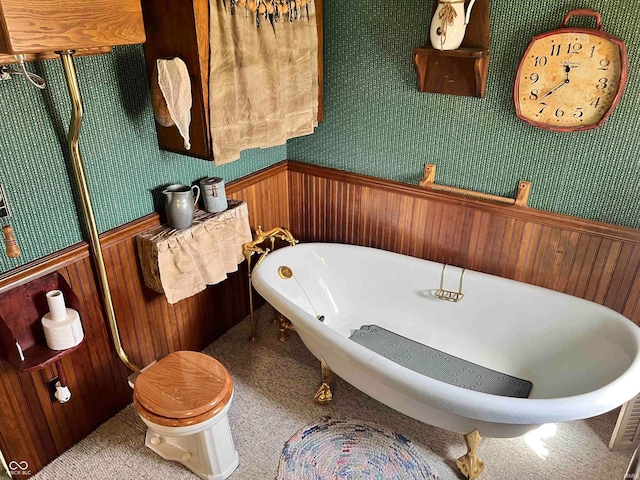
[(184, 388)]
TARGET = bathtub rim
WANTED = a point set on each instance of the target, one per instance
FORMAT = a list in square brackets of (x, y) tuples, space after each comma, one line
[(450, 398)]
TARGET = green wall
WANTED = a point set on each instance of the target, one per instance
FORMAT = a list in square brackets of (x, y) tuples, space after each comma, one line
[(377, 123), (118, 143)]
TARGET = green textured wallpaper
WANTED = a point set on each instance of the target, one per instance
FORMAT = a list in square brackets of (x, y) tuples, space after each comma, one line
[(118, 143), (377, 123)]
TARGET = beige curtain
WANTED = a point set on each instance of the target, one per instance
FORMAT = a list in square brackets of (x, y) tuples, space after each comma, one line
[(263, 85)]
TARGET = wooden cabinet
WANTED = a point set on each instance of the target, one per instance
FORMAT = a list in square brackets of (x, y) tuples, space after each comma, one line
[(49, 25), (458, 72), (180, 28), (39, 28)]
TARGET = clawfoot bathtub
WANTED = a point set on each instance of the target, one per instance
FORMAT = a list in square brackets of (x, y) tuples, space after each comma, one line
[(582, 358)]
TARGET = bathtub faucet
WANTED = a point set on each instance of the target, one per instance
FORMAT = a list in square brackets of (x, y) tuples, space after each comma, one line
[(253, 247), (278, 232)]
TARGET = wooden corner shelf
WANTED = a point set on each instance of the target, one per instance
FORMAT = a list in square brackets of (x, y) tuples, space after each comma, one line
[(463, 52), (20, 312), (463, 71)]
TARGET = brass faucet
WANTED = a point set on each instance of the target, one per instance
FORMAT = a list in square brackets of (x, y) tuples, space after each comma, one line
[(252, 247), (278, 232)]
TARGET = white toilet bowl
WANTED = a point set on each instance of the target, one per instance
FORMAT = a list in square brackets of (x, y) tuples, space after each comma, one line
[(183, 399)]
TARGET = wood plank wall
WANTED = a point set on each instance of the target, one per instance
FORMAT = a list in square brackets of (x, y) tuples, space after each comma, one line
[(34, 429), (591, 260)]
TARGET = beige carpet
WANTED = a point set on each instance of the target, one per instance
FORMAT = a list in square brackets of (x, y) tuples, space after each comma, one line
[(274, 385)]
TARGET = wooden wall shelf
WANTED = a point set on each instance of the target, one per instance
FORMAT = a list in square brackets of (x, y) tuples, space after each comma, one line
[(458, 72), (20, 312)]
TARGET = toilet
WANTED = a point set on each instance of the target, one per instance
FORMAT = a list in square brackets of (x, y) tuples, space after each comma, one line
[(183, 399)]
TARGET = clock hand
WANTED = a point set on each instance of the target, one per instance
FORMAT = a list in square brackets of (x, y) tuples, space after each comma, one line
[(567, 70)]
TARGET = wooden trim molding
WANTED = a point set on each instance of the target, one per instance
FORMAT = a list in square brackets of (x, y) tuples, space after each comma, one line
[(43, 266), (34, 429), (557, 220), (60, 259), (587, 259), (257, 177), (584, 258)]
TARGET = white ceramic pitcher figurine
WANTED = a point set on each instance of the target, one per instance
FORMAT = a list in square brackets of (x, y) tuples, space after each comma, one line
[(449, 24)]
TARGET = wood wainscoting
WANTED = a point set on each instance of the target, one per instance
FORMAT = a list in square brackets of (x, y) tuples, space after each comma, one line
[(35, 429), (587, 259)]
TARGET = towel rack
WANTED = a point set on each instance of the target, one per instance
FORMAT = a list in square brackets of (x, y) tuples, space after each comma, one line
[(521, 200)]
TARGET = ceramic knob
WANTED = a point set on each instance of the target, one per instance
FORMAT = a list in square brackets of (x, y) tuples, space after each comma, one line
[(155, 440), (186, 457)]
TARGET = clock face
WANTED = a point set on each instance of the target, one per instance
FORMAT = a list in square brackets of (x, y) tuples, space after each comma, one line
[(570, 80)]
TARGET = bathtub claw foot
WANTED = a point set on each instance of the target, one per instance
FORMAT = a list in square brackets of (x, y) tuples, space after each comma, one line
[(284, 326), (470, 465), (323, 395)]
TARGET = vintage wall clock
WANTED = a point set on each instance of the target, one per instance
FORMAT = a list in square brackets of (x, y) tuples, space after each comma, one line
[(571, 79)]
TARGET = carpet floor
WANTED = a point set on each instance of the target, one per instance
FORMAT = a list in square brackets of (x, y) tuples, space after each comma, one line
[(274, 386)]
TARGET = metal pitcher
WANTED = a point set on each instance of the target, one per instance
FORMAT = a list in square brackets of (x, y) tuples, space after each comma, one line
[(215, 199), (179, 204)]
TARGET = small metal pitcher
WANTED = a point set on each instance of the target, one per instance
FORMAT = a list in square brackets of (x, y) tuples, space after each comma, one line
[(179, 204)]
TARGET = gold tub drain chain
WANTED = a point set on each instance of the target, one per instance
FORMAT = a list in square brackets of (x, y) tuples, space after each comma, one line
[(449, 295), (286, 273)]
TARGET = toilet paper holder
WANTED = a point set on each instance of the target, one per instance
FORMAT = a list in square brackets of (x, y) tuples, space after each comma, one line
[(21, 332)]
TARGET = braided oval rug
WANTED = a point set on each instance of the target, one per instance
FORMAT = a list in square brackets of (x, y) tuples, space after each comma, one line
[(351, 449)]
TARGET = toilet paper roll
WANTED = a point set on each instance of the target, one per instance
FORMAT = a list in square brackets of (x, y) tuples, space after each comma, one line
[(63, 334), (57, 307)]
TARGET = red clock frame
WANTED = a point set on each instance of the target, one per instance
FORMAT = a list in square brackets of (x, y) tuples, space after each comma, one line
[(598, 31)]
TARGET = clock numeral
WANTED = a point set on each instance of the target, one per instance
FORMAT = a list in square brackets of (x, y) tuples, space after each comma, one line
[(544, 105), (541, 61), (595, 103), (534, 95), (559, 113), (593, 50), (574, 48), (604, 83), (555, 49), (578, 113), (534, 77), (604, 64)]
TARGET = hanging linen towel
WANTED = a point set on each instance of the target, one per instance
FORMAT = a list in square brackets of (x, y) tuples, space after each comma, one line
[(175, 85), (263, 79), (181, 263)]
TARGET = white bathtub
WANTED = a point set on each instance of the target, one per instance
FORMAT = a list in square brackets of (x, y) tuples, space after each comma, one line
[(582, 358)]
